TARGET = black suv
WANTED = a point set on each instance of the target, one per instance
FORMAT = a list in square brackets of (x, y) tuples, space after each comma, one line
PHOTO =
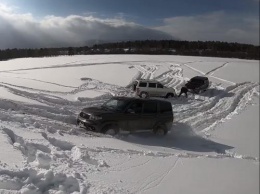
[(197, 84), (130, 114)]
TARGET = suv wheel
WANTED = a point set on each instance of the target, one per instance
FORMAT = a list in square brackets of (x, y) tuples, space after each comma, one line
[(110, 130), (196, 91), (144, 95), (169, 95), (160, 130)]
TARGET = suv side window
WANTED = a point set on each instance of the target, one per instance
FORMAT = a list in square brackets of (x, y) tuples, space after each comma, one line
[(159, 85), (165, 107), (142, 84), (136, 107), (152, 85), (150, 107)]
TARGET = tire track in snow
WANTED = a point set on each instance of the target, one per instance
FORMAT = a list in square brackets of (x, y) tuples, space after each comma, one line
[(66, 65), (220, 108), (213, 70), (145, 74), (160, 178), (131, 167), (112, 89), (3, 84), (227, 154), (58, 109), (43, 117), (194, 69), (56, 153), (176, 77), (35, 112), (92, 84), (171, 78), (41, 81), (230, 82)]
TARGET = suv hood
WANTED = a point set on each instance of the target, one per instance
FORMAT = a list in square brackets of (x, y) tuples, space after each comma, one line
[(96, 110)]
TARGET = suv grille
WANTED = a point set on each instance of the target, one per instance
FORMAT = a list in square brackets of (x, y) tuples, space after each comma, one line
[(84, 115)]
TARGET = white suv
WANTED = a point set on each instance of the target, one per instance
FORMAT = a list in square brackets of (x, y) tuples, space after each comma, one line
[(147, 88)]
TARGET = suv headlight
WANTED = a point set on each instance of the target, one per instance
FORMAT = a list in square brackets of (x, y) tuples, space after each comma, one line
[(94, 117)]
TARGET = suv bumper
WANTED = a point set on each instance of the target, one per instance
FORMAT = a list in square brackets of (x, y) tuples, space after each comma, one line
[(89, 124)]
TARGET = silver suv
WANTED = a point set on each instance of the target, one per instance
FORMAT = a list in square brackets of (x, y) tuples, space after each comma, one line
[(152, 88)]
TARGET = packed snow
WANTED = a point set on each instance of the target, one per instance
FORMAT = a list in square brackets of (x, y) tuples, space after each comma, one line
[(212, 147)]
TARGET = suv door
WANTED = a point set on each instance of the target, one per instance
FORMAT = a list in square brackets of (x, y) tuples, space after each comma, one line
[(160, 90), (152, 90), (142, 86), (165, 115), (133, 116), (149, 114)]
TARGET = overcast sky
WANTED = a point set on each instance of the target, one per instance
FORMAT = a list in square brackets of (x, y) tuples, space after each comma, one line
[(55, 23)]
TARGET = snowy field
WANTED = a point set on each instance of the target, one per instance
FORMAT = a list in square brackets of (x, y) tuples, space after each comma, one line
[(213, 146)]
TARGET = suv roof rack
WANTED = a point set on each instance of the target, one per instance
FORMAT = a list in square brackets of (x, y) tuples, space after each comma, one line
[(148, 80)]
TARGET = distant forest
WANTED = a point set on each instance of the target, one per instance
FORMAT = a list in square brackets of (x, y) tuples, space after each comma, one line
[(151, 47)]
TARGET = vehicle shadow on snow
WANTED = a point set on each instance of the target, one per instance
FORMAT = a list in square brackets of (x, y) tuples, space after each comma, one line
[(181, 137), (212, 92)]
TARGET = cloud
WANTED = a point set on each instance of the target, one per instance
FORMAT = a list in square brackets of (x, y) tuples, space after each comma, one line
[(217, 26), (25, 31)]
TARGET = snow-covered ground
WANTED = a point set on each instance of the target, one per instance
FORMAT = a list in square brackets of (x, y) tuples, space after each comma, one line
[(213, 146)]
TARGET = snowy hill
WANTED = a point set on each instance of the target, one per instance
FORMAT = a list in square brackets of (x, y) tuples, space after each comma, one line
[(213, 146)]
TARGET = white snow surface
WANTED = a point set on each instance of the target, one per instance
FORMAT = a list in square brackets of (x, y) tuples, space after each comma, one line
[(212, 147)]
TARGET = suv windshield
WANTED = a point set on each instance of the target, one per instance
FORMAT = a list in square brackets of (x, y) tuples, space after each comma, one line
[(115, 104)]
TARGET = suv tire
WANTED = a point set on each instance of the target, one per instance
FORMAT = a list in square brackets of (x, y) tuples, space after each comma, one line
[(196, 91), (110, 130), (144, 95), (160, 130), (169, 95)]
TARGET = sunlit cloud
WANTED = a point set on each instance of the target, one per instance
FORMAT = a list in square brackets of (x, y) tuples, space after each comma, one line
[(19, 30), (217, 26), (23, 30), (5, 9)]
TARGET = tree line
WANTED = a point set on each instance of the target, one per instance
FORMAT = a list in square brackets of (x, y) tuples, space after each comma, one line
[(153, 47)]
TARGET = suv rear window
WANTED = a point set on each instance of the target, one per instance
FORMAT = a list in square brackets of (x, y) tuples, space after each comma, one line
[(142, 84), (199, 81), (152, 85), (150, 107), (159, 85), (165, 107)]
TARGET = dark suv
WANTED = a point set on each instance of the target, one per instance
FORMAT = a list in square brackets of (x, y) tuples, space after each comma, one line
[(130, 114), (197, 84)]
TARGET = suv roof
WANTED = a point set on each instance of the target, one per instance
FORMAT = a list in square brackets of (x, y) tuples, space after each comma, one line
[(139, 99), (199, 78), (148, 81)]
